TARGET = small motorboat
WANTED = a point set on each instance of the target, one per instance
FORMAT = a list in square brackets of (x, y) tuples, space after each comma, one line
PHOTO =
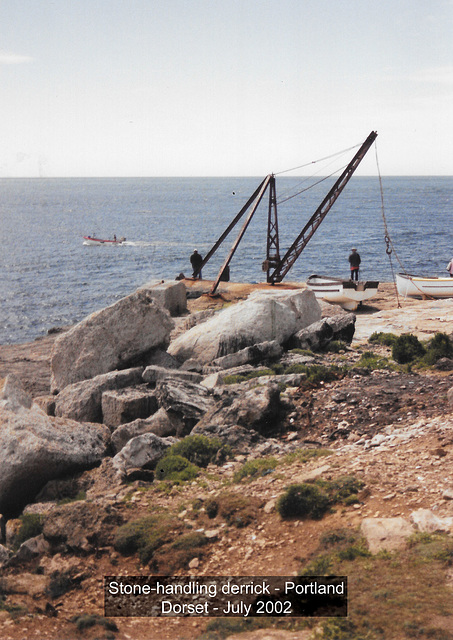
[(349, 294), (90, 240), (424, 286)]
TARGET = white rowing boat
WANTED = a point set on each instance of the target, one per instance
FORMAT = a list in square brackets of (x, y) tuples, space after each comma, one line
[(424, 287), (349, 294)]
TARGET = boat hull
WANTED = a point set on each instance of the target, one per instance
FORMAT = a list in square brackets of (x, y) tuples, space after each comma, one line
[(419, 287), (348, 294), (89, 241)]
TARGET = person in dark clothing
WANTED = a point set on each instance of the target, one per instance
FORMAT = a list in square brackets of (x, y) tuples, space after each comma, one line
[(354, 263), (196, 261)]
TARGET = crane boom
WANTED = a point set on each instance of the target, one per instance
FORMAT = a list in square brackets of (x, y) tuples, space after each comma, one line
[(309, 229)]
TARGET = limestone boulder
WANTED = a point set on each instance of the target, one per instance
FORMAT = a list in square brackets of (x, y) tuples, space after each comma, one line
[(320, 333), (302, 302), (163, 423), (35, 448), (386, 534), (242, 325), (143, 452), (120, 406), (5, 554), (169, 295), (109, 339), (256, 409), (83, 400), (240, 439), (153, 374), (250, 355), (427, 522), (187, 400)]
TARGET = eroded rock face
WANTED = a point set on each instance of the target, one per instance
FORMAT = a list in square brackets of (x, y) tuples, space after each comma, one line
[(109, 339), (144, 451), (35, 448), (261, 319), (319, 334), (162, 424), (187, 400), (250, 355), (386, 534), (125, 405), (302, 302), (81, 526), (256, 409), (83, 400), (170, 295)]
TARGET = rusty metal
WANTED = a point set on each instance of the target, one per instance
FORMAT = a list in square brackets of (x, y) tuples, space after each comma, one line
[(259, 195), (230, 227), (272, 249), (309, 229)]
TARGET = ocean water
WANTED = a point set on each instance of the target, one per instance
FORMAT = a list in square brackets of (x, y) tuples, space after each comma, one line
[(50, 278)]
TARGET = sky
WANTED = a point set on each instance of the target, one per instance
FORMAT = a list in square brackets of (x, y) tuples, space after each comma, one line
[(223, 87)]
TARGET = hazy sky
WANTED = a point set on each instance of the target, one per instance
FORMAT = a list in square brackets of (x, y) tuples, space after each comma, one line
[(223, 87)]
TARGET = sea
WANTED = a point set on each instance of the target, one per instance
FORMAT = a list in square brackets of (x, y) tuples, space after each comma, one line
[(49, 278)]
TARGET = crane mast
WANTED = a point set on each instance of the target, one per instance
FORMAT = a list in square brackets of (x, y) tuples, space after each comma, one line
[(285, 264)]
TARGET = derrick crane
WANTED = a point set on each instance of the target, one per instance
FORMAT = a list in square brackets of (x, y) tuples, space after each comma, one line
[(277, 267), (307, 232)]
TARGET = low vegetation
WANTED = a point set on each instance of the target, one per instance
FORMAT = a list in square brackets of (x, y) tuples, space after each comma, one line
[(255, 468), (408, 349), (145, 535), (200, 450), (396, 595), (176, 469), (312, 499), (31, 526)]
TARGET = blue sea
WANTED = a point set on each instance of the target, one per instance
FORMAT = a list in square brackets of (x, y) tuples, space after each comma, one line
[(50, 278)]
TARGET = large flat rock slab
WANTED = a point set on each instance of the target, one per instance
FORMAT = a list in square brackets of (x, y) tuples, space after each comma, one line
[(109, 339)]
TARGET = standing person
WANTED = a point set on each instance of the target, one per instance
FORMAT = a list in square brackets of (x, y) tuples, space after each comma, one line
[(354, 263), (450, 268), (196, 261)]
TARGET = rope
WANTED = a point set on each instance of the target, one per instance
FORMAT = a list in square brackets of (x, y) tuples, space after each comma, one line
[(307, 164), (389, 245), (294, 195)]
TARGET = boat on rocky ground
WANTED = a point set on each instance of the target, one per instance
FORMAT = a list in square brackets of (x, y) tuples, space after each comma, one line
[(424, 286), (349, 294), (90, 240)]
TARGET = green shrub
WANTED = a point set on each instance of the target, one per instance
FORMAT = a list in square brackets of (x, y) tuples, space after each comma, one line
[(303, 500), (237, 510), (387, 339), (314, 498), (340, 629), (372, 361), (440, 346), (175, 468), (407, 348), (335, 346), (319, 566), (176, 555), (199, 450), (344, 488), (255, 468), (85, 621), (144, 536), (211, 507), (320, 373), (32, 525)]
